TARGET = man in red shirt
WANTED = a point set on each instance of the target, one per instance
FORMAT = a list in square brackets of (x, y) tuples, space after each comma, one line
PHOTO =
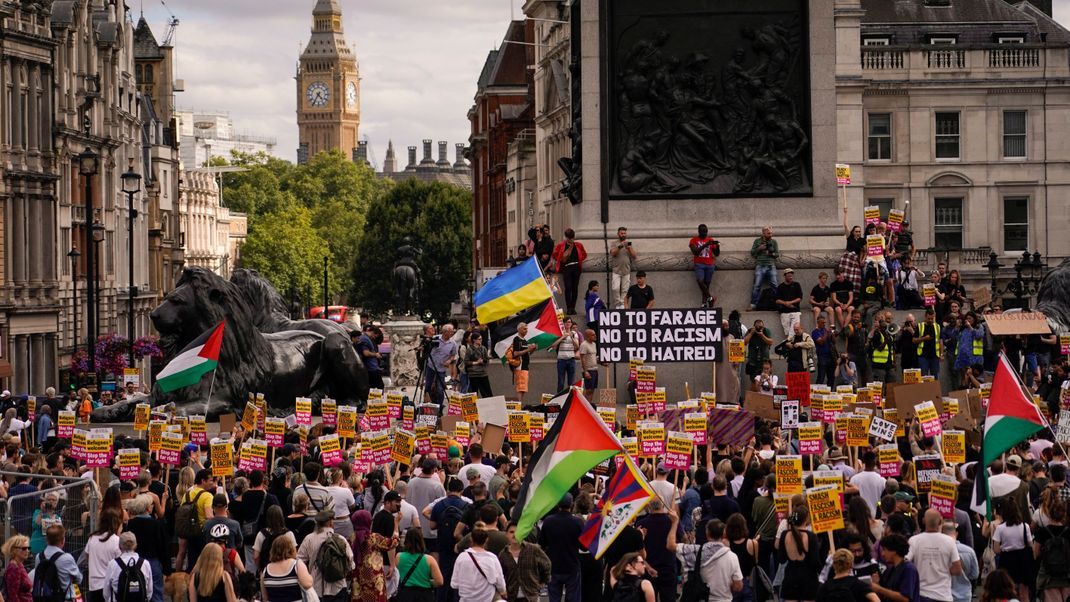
[(704, 249)]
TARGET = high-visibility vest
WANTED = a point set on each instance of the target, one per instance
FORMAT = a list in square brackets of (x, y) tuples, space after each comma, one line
[(978, 347), (882, 356), (939, 343)]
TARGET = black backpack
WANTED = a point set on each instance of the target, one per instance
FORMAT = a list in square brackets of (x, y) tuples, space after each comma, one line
[(46, 585), (695, 589), (265, 547), (451, 517), (131, 586), (1055, 553), (188, 522)]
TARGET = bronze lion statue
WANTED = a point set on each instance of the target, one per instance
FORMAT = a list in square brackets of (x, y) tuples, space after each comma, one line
[(281, 365), (1053, 298)]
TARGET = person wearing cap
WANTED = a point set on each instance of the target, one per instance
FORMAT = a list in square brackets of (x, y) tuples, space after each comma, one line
[(662, 486), (128, 557), (486, 471), (789, 296), (838, 461), (328, 591), (1005, 481), (221, 516), (560, 538), (424, 488), (471, 475)]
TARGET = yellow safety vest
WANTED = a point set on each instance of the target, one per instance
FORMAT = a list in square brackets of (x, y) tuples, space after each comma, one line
[(939, 343), (978, 347), (882, 356)]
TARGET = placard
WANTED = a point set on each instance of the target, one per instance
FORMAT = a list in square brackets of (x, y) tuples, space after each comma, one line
[(631, 416), (347, 422), (843, 176), (329, 412), (907, 396), (222, 455), (408, 417), (303, 410), (170, 449), (261, 411), (1064, 344), (799, 387), (833, 478), (248, 417), (274, 432), (678, 451), (872, 214), (929, 418), (761, 405), (129, 464), (911, 376), (378, 415), (1062, 430), (608, 416), (882, 429), (98, 449), (645, 379), (810, 435), (928, 291), (537, 426), (953, 445), (31, 408), (888, 460), (737, 351), (927, 467), (141, 416), (896, 217), (492, 410), (696, 424), (789, 475), (660, 335), (857, 431), (651, 438), (156, 428), (78, 444), (65, 424), (874, 247), (330, 450), (943, 491), (519, 427), (789, 414), (826, 511), (198, 429), (404, 446), (1025, 322)]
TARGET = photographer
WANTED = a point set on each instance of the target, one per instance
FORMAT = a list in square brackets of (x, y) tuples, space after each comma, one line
[(797, 348), (905, 346), (622, 259), (846, 371), (704, 249), (442, 358)]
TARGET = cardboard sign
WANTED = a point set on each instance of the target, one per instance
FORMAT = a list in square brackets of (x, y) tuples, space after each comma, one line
[(799, 387), (908, 396), (810, 436), (761, 405), (1025, 322), (651, 438), (943, 491), (954, 447), (696, 423), (65, 424), (492, 410), (843, 176), (826, 510), (1062, 429), (141, 416), (737, 351), (789, 475), (329, 412), (678, 451), (330, 450), (493, 436), (789, 414), (857, 431), (222, 455), (888, 460), (129, 464), (882, 429)]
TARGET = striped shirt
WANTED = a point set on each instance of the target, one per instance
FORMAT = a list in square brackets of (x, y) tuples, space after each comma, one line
[(283, 588)]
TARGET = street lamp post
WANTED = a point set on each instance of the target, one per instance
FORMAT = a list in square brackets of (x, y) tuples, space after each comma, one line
[(1028, 272), (97, 230), (88, 166), (324, 286), (131, 186), (74, 255)]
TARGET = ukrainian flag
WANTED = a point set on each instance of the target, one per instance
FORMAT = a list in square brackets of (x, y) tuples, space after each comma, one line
[(515, 289)]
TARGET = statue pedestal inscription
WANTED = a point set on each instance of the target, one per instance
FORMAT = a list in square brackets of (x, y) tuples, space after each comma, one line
[(405, 334)]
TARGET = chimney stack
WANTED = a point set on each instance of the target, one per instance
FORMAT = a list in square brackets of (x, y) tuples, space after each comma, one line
[(459, 164), (443, 161), (427, 160), (412, 159)]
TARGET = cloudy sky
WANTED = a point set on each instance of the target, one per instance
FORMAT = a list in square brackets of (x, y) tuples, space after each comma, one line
[(418, 61)]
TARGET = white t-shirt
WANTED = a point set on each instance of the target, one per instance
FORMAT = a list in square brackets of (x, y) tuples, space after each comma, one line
[(259, 543), (486, 473), (470, 583), (589, 355), (409, 516), (933, 554), (870, 486), (720, 567), (343, 500), (1017, 537), (666, 490), (100, 554), (773, 380), (1001, 484)]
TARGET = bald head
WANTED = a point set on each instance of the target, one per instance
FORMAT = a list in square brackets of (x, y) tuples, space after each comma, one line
[(933, 521)]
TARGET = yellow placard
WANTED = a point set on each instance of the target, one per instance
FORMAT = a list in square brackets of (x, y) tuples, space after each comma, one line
[(609, 416), (141, 416), (631, 446), (469, 408), (954, 447), (129, 458), (155, 434), (248, 417), (695, 422), (789, 474), (679, 443), (911, 376), (843, 177), (347, 422), (829, 477), (826, 513), (631, 416), (222, 455), (519, 427), (857, 431), (403, 448), (943, 489), (926, 411), (737, 351)]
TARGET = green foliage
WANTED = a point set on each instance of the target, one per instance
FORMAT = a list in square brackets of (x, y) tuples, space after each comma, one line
[(288, 251), (437, 217)]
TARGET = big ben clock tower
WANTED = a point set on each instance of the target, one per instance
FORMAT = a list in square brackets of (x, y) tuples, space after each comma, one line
[(328, 87)]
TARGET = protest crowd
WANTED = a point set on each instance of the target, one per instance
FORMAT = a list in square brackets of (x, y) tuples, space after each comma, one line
[(853, 475)]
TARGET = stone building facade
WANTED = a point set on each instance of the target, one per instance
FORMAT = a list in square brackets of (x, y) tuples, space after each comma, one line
[(213, 235)]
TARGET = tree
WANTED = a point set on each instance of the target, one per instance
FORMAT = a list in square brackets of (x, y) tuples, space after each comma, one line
[(437, 217), (285, 248)]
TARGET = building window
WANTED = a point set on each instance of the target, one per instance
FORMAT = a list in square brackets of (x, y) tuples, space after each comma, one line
[(1014, 134), (947, 135), (885, 205), (947, 223), (880, 136), (1010, 40), (942, 40), (1015, 223), (875, 42)]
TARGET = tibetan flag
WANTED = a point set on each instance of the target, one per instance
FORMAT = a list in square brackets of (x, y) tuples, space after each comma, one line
[(197, 359), (513, 290), (1012, 418), (577, 442), (543, 328), (627, 493)]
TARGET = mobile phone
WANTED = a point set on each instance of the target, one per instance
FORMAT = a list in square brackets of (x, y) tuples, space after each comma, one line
[(629, 243)]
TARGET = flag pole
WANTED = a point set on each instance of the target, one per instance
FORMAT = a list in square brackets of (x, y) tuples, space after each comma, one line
[(211, 387)]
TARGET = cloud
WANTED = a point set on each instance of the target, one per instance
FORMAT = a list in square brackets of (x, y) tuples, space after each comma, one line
[(419, 60)]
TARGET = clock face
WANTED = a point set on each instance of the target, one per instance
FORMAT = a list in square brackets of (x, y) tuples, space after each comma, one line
[(351, 95), (317, 94)]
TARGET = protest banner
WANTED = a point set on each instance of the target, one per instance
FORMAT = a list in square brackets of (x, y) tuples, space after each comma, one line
[(170, 449), (678, 448), (826, 510), (761, 404), (65, 424), (78, 443), (857, 431), (347, 422), (331, 450), (789, 474), (141, 417), (651, 439), (954, 447), (789, 414), (248, 417), (222, 455), (731, 427), (926, 467), (896, 217), (929, 418), (696, 423), (303, 410), (810, 436), (1024, 322), (799, 387), (660, 335), (737, 351), (888, 460), (911, 376), (156, 428), (329, 412), (872, 214), (129, 464), (404, 447), (882, 429), (874, 247), (98, 449), (519, 430), (943, 492)]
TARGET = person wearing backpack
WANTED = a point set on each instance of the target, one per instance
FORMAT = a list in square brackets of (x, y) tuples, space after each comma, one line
[(445, 516), (129, 577), (330, 559), (1052, 543), (56, 570), (195, 508), (274, 529), (711, 570)]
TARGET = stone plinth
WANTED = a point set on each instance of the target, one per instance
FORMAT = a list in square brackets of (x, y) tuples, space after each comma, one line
[(405, 334)]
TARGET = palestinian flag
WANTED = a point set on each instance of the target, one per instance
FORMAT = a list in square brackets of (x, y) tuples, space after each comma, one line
[(627, 493), (543, 328), (197, 359), (577, 442), (1012, 417)]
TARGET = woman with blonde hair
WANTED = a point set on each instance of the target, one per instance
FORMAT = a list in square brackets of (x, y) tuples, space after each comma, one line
[(285, 575), (17, 585), (210, 582), (186, 478), (843, 584)]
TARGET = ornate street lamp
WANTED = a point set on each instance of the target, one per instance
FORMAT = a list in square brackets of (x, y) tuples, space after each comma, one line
[(1028, 272), (131, 186), (89, 166), (97, 236), (74, 255)]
